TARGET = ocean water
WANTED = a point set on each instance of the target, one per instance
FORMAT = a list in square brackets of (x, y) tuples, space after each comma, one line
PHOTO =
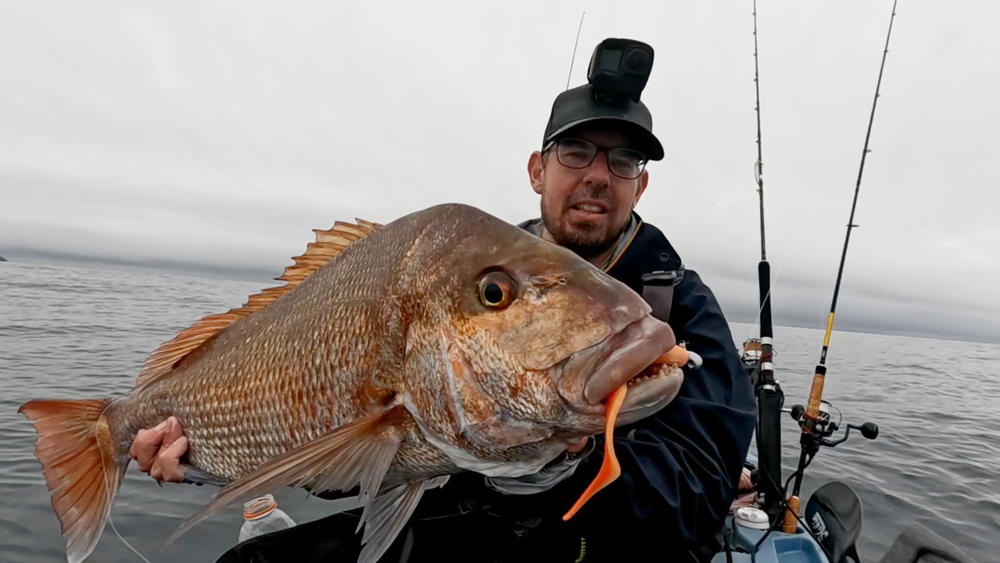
[(83, 332)]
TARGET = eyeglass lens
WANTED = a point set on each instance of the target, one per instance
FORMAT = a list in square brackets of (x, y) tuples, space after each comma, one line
[(579, 153)]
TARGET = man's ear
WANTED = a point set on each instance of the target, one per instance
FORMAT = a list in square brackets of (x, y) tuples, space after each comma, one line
[(536, 171), (641, 187)]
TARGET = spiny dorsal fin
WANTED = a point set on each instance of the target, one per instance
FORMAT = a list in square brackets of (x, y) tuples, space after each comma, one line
[(329, 243)]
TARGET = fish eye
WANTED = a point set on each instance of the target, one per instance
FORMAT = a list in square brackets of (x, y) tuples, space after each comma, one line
[(496, 290)]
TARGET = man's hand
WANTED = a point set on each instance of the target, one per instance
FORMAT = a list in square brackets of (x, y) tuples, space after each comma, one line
[(557, 470), (577, 446), (158, 450), (746, 493)]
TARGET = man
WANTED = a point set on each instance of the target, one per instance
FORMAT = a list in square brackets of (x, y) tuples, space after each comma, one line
[(680, 466)]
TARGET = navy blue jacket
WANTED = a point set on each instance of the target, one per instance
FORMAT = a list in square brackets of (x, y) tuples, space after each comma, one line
[(680, 467)]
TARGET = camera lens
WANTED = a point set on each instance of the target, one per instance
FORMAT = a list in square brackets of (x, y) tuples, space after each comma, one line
[(638, 61)]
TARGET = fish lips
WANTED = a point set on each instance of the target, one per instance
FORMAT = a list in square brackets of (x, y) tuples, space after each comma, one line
[(615, 361)]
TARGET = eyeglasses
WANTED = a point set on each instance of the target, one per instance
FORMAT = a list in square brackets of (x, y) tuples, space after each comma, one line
[(579, 153)]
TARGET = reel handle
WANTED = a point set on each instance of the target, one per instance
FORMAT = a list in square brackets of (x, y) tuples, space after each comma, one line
[(868, 430)]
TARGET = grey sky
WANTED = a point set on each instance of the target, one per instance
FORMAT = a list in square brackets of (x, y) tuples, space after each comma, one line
[(223, 132)]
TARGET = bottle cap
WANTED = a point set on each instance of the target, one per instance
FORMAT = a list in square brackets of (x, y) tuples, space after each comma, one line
[(751, 517), (259, 507)]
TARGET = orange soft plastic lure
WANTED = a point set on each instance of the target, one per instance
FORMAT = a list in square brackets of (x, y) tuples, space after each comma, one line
[(610, 469)]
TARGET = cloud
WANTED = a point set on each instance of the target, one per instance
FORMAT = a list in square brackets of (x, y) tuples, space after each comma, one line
[(221, 134)]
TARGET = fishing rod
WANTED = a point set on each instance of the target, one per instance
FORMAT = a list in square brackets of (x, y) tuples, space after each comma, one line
[(770, 398), (814, 419)]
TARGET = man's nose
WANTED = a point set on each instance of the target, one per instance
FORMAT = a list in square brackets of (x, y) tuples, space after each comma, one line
[(598, 173)]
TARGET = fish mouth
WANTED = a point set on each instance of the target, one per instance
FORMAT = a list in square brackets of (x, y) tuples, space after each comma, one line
[(628, 357), (651, 390)]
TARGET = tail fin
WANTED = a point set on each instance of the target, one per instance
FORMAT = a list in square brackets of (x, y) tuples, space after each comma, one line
[(80, 465)]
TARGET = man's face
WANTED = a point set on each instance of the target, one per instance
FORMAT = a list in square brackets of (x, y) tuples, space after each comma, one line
[(585, 209)]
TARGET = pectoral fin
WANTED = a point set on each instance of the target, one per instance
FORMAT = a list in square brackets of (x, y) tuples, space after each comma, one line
[(386, 515), (358, 453)]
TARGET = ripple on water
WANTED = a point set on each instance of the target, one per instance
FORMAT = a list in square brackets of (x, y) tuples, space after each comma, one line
[(84, 332)]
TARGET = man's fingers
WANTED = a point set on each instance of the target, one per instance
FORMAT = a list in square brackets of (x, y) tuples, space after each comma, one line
[(158, 450), (746, 484), (155, 470), (173, 431), (168, 461), (146, 444)]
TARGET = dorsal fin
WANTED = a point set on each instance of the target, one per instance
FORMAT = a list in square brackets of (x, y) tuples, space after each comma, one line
[(329, 243)]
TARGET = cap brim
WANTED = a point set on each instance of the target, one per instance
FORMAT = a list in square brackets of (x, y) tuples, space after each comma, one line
[(643, 140)]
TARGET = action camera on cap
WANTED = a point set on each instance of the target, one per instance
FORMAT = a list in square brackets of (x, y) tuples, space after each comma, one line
[(618, 71), (619, 68)]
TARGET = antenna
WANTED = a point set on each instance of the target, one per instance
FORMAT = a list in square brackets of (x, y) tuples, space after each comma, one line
[(575, 43)]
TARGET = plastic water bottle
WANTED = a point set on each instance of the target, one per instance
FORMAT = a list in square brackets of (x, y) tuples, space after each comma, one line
[(262, 516)]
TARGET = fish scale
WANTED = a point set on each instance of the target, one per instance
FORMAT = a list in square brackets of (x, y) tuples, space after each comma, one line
[(380, 364)]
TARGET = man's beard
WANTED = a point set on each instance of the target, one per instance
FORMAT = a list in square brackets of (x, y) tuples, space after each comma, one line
[(584, 243)]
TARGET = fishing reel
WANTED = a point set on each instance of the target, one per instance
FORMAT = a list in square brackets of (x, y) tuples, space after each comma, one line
[(816, 431)]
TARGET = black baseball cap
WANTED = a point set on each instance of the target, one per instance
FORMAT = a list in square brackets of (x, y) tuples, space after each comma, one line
[(580, 106), (619, 69)]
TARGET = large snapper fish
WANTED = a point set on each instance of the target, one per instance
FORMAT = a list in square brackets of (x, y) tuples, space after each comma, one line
[(445, 341)]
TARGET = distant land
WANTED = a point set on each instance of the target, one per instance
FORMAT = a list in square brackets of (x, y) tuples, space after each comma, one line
[(734, 304), (211, 270), (2, 259)]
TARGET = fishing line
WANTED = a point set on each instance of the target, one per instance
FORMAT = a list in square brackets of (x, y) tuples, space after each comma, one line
[(857, 189), (784, 506), (760, 311), (575, 44), (805, 526), (111, 520), (128, 545), (767, 391), (815, 394), (813, 426), (763, 269), (111, 497), (758, 169)]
